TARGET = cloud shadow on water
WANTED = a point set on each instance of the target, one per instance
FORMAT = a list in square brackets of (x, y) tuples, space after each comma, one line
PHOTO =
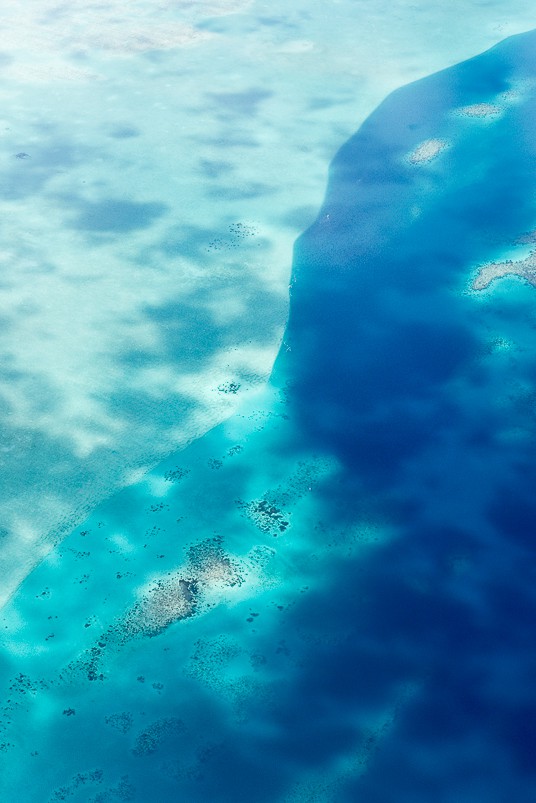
[(115, 215)]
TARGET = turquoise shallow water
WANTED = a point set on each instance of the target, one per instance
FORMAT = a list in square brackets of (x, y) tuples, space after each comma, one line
[(330, 595)]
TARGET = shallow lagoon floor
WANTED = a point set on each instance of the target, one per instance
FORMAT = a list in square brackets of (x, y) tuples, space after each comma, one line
[(158, 164)]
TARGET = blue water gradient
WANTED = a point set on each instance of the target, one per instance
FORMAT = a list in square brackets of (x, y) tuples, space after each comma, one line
[(344, 571)]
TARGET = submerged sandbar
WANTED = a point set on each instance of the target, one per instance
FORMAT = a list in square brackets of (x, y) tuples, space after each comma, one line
[(524, 268)]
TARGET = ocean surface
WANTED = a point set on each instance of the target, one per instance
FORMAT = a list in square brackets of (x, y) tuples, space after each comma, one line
[(268, 403)]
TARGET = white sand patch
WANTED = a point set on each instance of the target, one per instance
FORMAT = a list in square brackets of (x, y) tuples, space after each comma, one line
[(138, 38), (480, 111), (118, 27), (123, 543), (427, 151)]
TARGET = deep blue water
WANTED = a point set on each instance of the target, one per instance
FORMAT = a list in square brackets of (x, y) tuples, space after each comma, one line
[(375, 642)]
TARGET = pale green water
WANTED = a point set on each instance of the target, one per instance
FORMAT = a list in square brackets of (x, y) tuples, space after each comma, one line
[(116, 105)]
